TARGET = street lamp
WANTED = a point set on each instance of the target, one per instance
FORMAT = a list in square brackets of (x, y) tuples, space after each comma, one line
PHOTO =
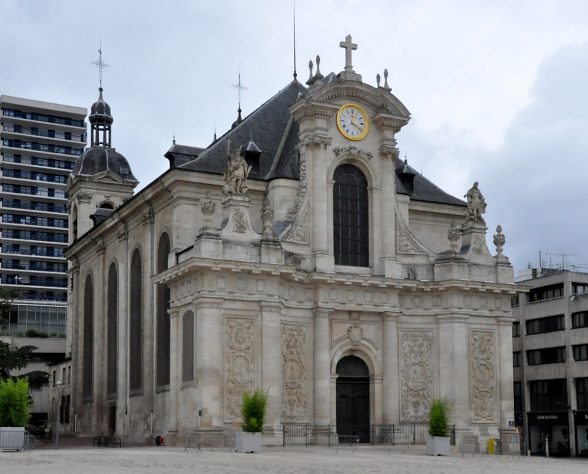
[(57, 413)]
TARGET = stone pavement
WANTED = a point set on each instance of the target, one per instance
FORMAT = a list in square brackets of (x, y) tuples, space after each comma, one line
[(366, 460)]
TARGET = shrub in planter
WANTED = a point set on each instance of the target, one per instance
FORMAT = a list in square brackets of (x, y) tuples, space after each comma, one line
[(253, 413), (14, 402), (438, 441)]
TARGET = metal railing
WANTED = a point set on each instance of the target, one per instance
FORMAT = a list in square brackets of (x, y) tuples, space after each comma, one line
[(211, 441)]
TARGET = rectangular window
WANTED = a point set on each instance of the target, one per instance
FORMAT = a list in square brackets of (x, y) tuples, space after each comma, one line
[(580, 320), (545, 325), (548, 395), (582, 393), (579, 288), (518, 397), (580, 352), (516, 329), (516, 359), (514, 301), (54, 379), (545, 293), (549, 355)]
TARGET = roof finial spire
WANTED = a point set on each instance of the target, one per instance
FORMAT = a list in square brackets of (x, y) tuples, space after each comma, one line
[(174, 137), (240, 87), (100, 64), (294, 18)]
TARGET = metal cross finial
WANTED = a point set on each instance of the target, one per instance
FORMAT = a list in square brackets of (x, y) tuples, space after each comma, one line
[(349, 46), (100, 64), (240, 87)]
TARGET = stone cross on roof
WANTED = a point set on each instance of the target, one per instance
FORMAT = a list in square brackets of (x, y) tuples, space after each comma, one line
[(349, 46)]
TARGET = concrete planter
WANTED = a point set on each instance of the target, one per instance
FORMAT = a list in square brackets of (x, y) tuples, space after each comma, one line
[(247, 442), (437, 445), (12, 438)]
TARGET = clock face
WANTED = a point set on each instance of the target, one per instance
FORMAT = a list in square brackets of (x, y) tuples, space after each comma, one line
[(352, 121)]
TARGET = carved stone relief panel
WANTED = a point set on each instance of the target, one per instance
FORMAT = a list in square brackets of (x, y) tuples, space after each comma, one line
[(240, 365), (294, 373), (483, 377), (416, 374)]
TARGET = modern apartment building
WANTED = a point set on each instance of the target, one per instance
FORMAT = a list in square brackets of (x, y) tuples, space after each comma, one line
[(550, 358), (39, 145)]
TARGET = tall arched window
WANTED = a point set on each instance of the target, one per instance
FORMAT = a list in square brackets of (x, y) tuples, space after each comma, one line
[(74, 223), (136, 323), (88, 340), (188, 347), (163, 325), (351, 217), (112, 331)]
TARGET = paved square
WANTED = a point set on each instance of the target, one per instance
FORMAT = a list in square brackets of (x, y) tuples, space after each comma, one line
[(273, 460)]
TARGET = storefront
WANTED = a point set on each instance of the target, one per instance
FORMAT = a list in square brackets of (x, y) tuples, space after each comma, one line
[(581, 424), (553, 427)]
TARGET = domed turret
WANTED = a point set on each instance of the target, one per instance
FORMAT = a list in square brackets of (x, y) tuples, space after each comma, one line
[(100, 111)]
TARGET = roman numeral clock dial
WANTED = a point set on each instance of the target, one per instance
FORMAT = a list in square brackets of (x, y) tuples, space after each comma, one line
[(352, 122)]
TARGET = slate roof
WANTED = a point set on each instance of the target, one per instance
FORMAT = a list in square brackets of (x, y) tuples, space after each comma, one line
[(98, 159), (423, 189), (265, 126), (274, 131)]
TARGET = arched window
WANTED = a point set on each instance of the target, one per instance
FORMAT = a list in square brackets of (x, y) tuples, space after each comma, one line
[(188, 347), (162, 350), (88, 340), (112, 331), (351, 217), (74, 223), (106, 205), (136, 323)]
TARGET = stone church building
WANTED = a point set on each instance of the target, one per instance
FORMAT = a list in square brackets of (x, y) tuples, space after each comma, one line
[(297, 254)]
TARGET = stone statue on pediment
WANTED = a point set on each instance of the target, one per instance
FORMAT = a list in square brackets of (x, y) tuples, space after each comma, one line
[(236, 173), (476, 205)]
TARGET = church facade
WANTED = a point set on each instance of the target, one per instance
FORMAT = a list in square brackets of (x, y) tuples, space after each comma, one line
[(296, 254)]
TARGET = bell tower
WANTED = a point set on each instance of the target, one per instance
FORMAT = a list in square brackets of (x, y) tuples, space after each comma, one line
[(101, 179), (347, 139)]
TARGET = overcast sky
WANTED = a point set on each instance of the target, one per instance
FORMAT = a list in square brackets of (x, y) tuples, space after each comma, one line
[(498, 91)]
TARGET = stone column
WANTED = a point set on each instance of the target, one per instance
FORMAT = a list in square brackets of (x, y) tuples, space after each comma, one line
[(322, 367), (390, 369), (209, 359), (272, 365), (175, 381)]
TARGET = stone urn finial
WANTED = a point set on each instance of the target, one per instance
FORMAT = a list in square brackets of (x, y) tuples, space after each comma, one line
[(499, 240)]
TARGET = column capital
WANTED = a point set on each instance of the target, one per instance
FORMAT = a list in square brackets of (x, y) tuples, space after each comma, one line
[(322, 312), (202, 303), (391, 316), (452, 318), (271, 307), (505, 320)]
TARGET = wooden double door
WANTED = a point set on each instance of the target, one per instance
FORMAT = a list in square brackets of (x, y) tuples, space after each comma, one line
[(353, 398)]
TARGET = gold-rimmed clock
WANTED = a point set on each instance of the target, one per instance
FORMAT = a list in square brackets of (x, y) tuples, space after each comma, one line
[(352, 121)]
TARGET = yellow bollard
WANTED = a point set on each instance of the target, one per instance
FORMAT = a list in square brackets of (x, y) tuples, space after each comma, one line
[(491, 445)]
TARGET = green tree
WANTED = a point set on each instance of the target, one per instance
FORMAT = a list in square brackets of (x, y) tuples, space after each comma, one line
[(253, 411), (15, 402), (7, 296)]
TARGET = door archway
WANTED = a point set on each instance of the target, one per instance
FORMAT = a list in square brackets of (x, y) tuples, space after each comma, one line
[(353, 398)]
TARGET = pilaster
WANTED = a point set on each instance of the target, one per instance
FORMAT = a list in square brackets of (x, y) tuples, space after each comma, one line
[(390, 368), (209, 359), (454, 373), (322, 366), (271, 364)]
